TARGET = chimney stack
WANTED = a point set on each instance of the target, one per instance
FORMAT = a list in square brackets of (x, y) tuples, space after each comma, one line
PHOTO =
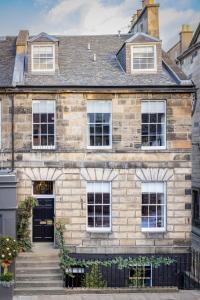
[(21, 43), (185, 37)]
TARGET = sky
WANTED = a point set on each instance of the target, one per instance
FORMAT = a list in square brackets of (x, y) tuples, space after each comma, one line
[(80, 17)]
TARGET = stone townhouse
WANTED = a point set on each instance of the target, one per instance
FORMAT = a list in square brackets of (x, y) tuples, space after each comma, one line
[(98, 128), (188, 58)]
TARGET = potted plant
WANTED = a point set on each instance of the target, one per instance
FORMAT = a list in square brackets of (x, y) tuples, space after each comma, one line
[(8, 252)]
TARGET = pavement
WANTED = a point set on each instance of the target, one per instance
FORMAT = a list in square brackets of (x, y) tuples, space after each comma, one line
[(181, 295)]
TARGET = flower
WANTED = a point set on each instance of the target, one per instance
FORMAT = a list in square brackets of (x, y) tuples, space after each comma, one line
[(3, 255), (9, 253), (8, 248), (7, 240)]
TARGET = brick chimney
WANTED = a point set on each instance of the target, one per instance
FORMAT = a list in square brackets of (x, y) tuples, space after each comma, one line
[(185, 37), (21, 43), (147, 19)]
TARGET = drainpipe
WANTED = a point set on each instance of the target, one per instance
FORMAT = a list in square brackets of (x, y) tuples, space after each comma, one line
[(12, 134)]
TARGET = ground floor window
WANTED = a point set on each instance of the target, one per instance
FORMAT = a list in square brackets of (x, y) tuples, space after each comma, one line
[(140, 276), (98, 206), (153, 206)]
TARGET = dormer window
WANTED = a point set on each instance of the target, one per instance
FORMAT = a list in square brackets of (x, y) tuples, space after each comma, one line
[(43, 58), (144, 58)]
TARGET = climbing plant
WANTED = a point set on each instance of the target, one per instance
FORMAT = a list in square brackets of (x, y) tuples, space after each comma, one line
[(23, 223), (67, 262)]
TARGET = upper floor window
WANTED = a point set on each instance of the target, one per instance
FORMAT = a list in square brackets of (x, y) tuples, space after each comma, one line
[(43, 124), (43, 58), (98, 206), (153, 124), (144, 58), (99, 115), (153, 206)]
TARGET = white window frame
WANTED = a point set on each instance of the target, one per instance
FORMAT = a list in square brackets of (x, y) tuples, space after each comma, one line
[(157, 229), (155, 59), (110, 126), (99, 229), (164, 147), (143, 277), (42, 70), (45, 147)]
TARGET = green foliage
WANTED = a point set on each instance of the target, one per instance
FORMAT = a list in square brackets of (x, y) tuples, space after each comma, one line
[(137, 281), (7, 277), (91, 278), (94, 279), (23, 223), (8, 248)]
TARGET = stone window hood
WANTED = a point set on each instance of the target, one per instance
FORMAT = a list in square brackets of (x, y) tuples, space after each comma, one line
[(124, 55)]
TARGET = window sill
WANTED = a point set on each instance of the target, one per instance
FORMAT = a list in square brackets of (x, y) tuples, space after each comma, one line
[(43, 147), (153, 148), (98, 230), (153, 230), (99, 148)]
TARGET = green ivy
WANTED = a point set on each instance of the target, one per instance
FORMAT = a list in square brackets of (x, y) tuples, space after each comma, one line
[(66, 261)]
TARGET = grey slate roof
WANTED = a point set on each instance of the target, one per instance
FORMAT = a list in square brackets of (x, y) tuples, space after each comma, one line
[(77, 68), (7, 60)]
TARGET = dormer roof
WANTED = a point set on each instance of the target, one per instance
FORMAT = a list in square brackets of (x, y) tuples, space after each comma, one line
[(141, 37), (43, 37)]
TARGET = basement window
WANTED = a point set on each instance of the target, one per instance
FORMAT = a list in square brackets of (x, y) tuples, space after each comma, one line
[(144, 58), (43, 58), (140, 276), (74, 277)]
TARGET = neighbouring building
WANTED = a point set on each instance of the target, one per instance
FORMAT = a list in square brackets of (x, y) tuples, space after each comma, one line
[(100, 128), (188, 58)]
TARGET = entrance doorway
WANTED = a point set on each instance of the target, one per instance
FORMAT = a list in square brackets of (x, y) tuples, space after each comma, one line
[(43, 213)]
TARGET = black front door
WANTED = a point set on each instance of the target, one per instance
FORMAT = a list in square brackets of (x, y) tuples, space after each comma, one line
[(43, 220)]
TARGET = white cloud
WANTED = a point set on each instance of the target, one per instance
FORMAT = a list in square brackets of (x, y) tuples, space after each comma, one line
[(93, 17)]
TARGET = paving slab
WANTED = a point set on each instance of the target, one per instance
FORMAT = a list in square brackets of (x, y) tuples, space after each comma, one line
[(181, 295)]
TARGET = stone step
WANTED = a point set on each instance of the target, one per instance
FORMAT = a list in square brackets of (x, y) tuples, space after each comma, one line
[(39, 264), (43, 283), (38, 270), (40, 291), (39, 254), (36, 277), (38, 258)]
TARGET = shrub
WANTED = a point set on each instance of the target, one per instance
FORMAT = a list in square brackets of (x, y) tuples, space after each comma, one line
[(94, 279)]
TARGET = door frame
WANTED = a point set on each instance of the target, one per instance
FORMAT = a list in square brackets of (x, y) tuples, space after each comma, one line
[(44, 197)]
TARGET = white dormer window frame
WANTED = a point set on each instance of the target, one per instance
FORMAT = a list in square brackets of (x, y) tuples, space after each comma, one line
[(144, 70), (43, 70)]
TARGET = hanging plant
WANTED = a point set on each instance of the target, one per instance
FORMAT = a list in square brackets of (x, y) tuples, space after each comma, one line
[(23, 223)]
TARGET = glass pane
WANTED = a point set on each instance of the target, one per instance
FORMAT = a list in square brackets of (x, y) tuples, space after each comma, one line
[(36, 118), (98, 198), (160, 222), (145, 198), (36, 140), (90, 197), (145, 141), (160, 198), (152, 129), (152, 198), (106, 222), (43, 118), (91, 140), (161, 118), (152, 210), (91, 210), (51, 129), (106, 198), (98, 129), (106, 210), (106, 129), (152, 222), (98, 141), (153, 118), (91, 129), (44, 128), (144, 222), (145, 129), (106, 140), (90, 222), (98, 221), (145, 118), (98, 210), (106, 118), (43, 140), (51, 140), (43, 187), (36, 129), (144, 210), (91, 118), (99, 118), (51, 118)]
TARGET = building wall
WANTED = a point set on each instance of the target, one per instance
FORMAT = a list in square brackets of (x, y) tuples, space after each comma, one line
[(71, 165)]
